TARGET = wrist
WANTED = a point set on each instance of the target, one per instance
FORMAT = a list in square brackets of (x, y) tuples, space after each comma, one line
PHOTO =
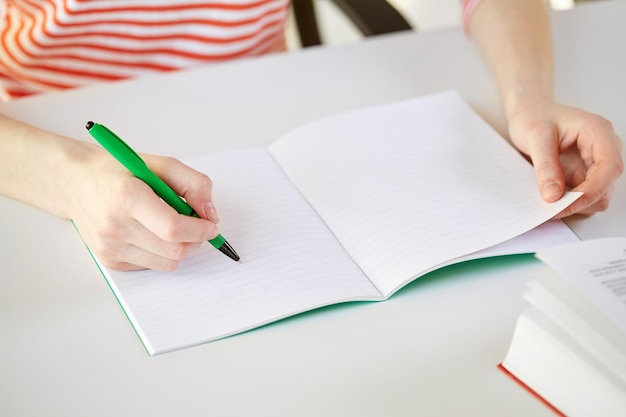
[(58, 168), (521, 100)]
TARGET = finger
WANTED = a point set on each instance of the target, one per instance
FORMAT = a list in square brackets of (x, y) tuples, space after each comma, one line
[(130, 257), (544, 154), (195, 187), (149, 250), (574, 168), (604, 167), (586, 210), (115, 250), (168, 226), (597, 190), (125, 244), (137, 257)]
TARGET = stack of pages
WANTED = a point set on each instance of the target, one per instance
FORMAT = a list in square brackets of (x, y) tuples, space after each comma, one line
[(569, 347)]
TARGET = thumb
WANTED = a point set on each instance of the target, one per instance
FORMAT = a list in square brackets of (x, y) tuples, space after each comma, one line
[(544, 154)]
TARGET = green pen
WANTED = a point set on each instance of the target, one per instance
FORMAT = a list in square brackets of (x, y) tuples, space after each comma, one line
[(133, 162)]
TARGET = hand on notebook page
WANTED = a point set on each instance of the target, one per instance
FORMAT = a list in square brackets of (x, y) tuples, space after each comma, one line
[(570, 149), (119, 217), (129, 227)]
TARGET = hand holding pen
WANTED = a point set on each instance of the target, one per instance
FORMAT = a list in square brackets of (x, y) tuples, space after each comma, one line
[(138, 230)]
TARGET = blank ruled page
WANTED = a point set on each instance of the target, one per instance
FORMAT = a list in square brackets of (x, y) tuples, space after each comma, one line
[(411, 185), (290, 262)]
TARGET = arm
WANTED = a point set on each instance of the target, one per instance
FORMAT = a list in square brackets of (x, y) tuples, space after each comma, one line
[(569, 148), (119, 217)]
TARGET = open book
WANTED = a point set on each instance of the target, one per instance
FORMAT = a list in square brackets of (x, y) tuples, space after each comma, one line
[(569, 347), (351, 207)]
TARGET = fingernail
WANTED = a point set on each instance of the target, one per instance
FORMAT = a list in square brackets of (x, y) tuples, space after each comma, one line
[(551, 191), (214, 232), (211, 213)]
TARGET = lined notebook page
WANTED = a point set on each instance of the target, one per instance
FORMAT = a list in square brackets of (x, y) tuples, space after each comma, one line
[(290, 263), (548, 234), (408, 186)]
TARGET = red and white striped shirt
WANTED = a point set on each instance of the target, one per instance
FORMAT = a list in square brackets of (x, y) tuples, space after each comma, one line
[(56, 44)]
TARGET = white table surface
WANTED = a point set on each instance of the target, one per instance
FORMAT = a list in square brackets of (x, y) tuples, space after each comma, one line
[(432, 349)]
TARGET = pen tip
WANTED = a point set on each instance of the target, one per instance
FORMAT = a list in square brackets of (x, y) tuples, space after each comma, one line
[(228, 250), (89, 125)]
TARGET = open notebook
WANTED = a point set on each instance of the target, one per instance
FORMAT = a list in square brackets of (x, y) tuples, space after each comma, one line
[(350, 207)]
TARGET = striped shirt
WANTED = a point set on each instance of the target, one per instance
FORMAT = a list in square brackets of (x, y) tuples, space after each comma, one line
[(49, 45)]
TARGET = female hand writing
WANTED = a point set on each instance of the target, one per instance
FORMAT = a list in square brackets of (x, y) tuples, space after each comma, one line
[(120, 218)]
